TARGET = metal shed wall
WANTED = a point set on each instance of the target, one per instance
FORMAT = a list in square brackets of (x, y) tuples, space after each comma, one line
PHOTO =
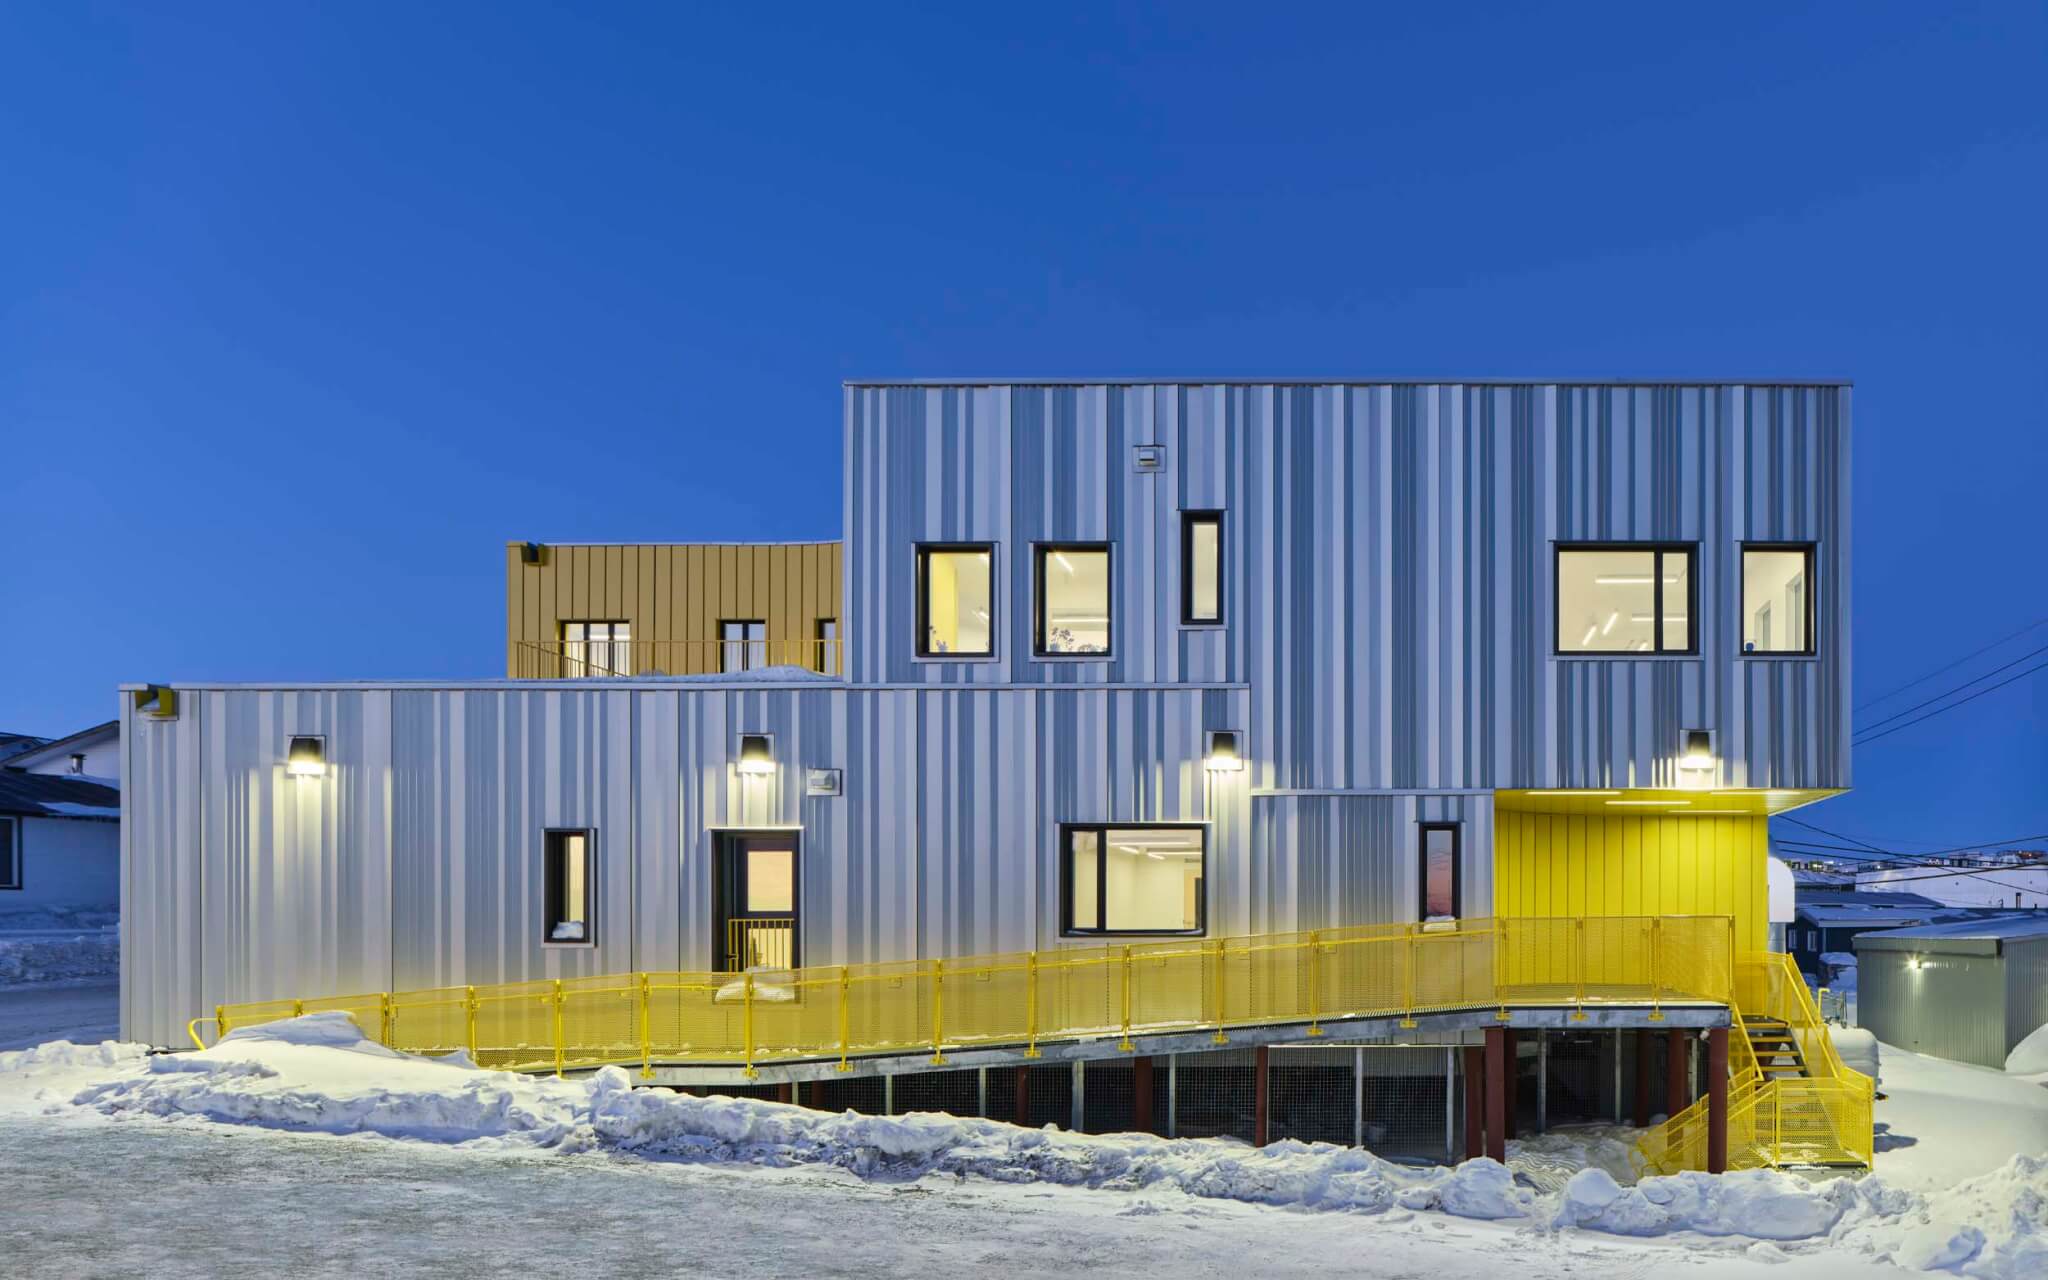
[(1954, 1008), (1388, 562)]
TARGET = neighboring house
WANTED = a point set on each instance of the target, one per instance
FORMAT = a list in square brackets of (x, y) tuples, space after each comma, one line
[(1826, 922), (2017, 879), (94, 754), (13, 744), (1470, 700), (1968, 990), (60, 850)]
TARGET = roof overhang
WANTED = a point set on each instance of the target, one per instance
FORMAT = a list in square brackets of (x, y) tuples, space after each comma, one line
[(1684, 802)]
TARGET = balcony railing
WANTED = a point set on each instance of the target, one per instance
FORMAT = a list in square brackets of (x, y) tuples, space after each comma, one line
[(757, 942), (580, 659)]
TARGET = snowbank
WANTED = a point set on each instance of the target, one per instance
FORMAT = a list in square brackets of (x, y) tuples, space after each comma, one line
[(26, 959), (318, 1074), (1858, 1050), (2030, 1056)]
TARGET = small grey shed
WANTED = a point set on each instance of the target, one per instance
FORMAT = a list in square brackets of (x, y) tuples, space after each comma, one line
[(1968, 990)]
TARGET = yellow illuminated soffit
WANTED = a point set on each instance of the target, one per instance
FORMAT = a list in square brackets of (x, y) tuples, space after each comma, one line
[(1704, 802)]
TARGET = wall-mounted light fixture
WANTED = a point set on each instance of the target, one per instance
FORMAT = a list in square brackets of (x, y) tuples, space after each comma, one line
[(307, 757), (757, 755), (157, 702), (1698, 755), (1224, 755)]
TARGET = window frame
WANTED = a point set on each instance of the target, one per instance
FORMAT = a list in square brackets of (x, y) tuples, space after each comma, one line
[(828, 646), (1188, 520), (1422, 830), (744, 644), (13, 875), (1660, 549), (610, 640), (547, 923), (1068, 929), (1811, 550), (1039, 552), (922, 623)]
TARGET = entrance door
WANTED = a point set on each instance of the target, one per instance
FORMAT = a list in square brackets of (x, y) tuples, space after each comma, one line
[(755, 896)]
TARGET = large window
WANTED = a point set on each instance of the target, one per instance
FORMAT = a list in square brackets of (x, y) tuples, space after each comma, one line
[(955, 599), (10, 854), (1439, 870), (742, 644), (1141, 879), (596, 649), (1201, 568), (1777, 598), (566, 891), (1622, 598), (1073, 599)]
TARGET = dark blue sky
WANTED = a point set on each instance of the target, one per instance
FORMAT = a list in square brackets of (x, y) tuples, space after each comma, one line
[(305, 310)]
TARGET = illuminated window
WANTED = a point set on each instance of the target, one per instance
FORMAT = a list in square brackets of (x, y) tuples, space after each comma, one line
[(955, 597), (742, 644), (1439, 871), (566, 899), (1137, 879), (1073, 599), (1777, 599), (596, 649), (1610, 598), (1201, 567)]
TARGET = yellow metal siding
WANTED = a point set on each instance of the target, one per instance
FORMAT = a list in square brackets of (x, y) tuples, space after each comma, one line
[(1557, 864), (673, 594)]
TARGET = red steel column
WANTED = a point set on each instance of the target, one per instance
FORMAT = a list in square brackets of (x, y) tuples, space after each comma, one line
[(817, 1092), (1496, 1093), (1677, 1048), (785, 1092), (1643, 1042), (1717, 1100), (1475, 1102), (1262, 1100), (1511, 1084), (1141, 1095), (1023, 1112)]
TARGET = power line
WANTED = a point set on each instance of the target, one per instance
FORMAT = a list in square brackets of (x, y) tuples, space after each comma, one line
[(1922, 859), (1949, 667), (1957, 872), (2017, 675), (1964, 685), (1891, 853)]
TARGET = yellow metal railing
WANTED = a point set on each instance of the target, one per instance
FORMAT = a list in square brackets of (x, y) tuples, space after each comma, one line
[(757, 942), (1026, 999), (1824, 1117), (573, 659)]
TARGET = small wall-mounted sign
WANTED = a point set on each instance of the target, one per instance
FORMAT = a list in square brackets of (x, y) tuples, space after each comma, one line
[(821, 782), (1148, 457)]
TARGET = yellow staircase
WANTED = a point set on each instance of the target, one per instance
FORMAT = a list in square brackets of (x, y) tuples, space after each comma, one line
[(1791, 1101)]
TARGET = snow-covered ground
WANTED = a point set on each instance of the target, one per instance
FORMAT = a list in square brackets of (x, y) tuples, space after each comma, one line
[(303, 1148)]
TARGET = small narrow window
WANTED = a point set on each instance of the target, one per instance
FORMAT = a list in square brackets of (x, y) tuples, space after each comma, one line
[(1201, 568), (1439, 871), (1073, 599), (955, 600), (1777, 598), (567, 898), (1624, 598), (597, 649), (826, 658), (742, 644), (10, 854), (1136, 879)]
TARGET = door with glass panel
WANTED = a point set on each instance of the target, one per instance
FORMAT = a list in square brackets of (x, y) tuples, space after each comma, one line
[(755, 893)]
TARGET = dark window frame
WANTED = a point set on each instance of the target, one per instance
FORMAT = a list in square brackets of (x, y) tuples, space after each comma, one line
[(1422, 830), (550, 890), (1660, 550), (828, 647), (1811, 550), (562, 635), (1068, 929), (924, 551), (1188, 521), (728, 846), (724, 644), (1039, 553), (12, 874)]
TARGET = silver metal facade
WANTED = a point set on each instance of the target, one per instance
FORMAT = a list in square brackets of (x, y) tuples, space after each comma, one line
[(1968, 1005), (1388, 562)]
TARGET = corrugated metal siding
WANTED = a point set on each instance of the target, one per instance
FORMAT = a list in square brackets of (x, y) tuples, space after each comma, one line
[(671, 592), (1320, 861), (416, 861), (2026, 989), (1954, 1008), (1548, 864), (1388, 562)]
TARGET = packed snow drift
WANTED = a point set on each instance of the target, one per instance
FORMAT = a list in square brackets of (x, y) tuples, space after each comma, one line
[(31, 958), (317, 1074)]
